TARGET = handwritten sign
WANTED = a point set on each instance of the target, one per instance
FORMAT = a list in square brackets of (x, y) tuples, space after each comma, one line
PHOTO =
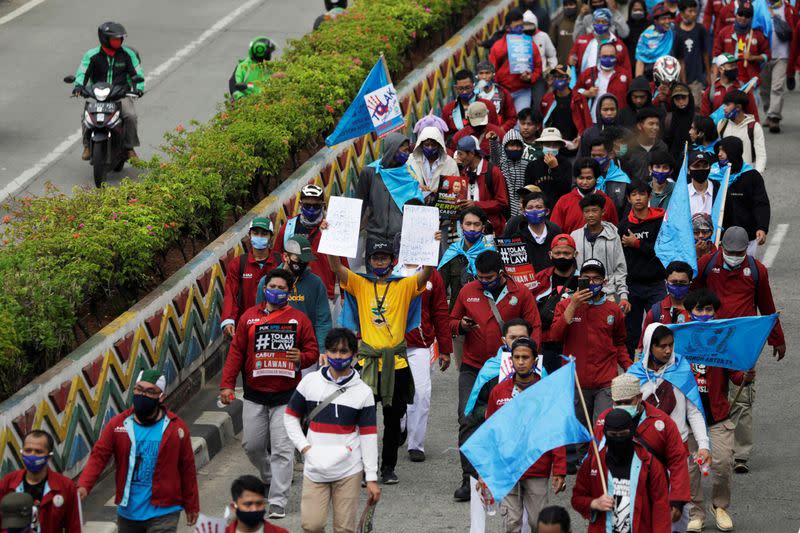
[(520, 53), (271, 342), (452, 190), (209, 524), (418, 246), (344, 219), (515, 260)]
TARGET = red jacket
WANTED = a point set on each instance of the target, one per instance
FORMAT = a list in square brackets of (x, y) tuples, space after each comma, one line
[(554, 461), (726, 41), (721, 12), (58, 510), (504, 106), (567, 212), (579, 48), (596, 337), (483, 342), (737, 291), (268, 528), (661, 434), (174, 477), (493, 202), (713, 380), (711, 101), (447, 114), (543, 288), (618, 84), (664, 316), (651, 509), (581, 115), (498, 56), (435, 320), (794, 52), (242, 358), (232, 309), (320, 267)]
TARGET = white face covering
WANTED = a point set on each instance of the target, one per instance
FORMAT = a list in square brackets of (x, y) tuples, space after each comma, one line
[(732, 261)]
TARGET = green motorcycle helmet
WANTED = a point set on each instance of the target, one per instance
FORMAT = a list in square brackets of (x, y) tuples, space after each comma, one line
[(261, 49)]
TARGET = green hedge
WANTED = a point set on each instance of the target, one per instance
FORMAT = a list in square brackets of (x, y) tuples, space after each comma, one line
[(64, 253)]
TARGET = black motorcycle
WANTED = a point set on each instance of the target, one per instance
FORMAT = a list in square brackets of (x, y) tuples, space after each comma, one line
[(105, 129)]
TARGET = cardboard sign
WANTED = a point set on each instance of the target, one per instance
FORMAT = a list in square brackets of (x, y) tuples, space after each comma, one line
[(451, 190), (344, 220), (271, 342), (515, 260)]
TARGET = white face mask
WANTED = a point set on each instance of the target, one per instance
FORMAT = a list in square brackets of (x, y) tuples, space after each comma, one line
[(732, 261)]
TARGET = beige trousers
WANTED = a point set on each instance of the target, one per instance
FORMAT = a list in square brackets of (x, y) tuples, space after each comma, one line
[(528, 494), (317, 497), (721, 436)]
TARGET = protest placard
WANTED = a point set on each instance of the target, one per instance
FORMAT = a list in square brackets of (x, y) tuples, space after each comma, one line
[(520, 53), (344, 220), (452, 190), (271, 342), (515, 260), (210, 524), (418, 245)]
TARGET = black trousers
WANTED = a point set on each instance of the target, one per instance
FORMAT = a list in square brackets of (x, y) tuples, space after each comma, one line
[(466, 424), (392, 415)]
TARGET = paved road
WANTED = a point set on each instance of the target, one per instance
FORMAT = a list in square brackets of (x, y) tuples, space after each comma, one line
[(40, 47), (766, 500)]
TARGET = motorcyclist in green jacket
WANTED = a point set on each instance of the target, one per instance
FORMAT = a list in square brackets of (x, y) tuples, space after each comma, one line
[(254, 68)]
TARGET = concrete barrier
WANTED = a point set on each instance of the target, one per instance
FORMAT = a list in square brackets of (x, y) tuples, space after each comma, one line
[(176, 327)]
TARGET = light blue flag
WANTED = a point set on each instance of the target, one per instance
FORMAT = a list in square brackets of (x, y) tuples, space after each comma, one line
[(654, 44), (762, 19), (719, 113), (733, 343), (375, 108), (675, 241), (540, 419), (573, 76)]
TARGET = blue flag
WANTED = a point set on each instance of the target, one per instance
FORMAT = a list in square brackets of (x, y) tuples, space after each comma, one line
[(675, 241), (719, 113), (573, 76), (733, 343), (654, 44), (375, 108), (540, 419), (762, 20)]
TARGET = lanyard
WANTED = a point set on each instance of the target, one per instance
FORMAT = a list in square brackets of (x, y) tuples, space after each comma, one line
[(379, 301)]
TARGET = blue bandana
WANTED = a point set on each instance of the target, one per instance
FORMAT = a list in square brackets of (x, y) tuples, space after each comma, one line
[(654, 44)]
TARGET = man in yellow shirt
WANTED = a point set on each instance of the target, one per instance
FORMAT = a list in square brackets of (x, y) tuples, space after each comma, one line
[(382, 307)]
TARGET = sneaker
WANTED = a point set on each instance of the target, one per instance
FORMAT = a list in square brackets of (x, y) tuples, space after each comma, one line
[(775, 127), (696, 525), (740, 467), (86, 154), (388, 477), (463, 493), (276, 511), (723, 519), (416, 456)]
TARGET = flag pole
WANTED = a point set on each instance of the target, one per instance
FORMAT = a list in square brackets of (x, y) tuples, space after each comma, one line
[(724, 192), (589, 427), (747, 45)]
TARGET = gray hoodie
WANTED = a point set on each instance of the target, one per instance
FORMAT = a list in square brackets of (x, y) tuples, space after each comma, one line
[(384, 218), (428, 174), (607, 248)]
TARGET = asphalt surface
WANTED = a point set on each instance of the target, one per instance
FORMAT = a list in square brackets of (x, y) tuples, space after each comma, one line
[(766, 500), (41, 46)]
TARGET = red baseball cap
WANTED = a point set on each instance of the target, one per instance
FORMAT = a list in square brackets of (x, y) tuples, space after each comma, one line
[(563, 239)]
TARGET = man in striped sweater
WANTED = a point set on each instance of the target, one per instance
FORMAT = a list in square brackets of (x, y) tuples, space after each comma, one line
[(342, 440)]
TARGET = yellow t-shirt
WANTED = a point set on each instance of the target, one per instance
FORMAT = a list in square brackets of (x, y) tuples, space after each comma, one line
[(383, 327)]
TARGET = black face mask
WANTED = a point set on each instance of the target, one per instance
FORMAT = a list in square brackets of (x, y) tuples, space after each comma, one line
[(250, 518), (562, 263), (586, 191), (570, 12), (620, 448), (699, 175), (145, 408), (297, 268)]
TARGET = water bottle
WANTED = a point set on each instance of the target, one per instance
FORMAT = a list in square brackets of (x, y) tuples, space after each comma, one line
[(704, 468), (236, 394), (487, 500)]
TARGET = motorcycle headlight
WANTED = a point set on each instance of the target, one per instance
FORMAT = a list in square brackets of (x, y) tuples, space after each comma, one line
[(101, 94)]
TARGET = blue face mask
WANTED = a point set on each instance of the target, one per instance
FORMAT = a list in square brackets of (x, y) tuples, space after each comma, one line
[(516, 29), (701, 318), (560, 84), (723, 163), (600, 29), (380, 272), (259, 243), (401, 157), (602, 161), (430, 153), (490, 285), (34, 463), (630, 409), (535, 216), (678, 292), (741, 28), (340, 364), (660, 177), (550, 151), (596, 288), (276, 297), (608, 62), (311, 214), (472, 236), (466, 97), (732, 114)]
